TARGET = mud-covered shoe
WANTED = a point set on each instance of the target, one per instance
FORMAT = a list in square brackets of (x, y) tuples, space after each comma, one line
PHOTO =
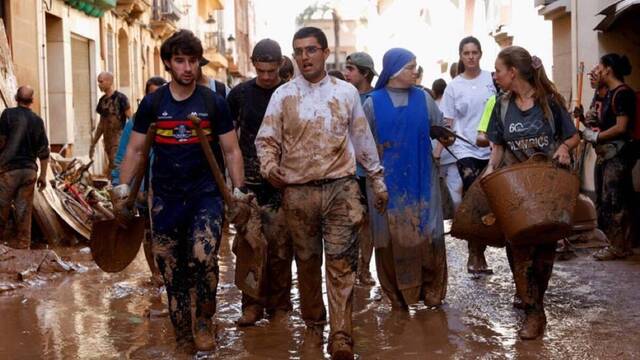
[(341, 347), (250, 315), (533, 326), (608, 254), (365, 278), (203, 335)]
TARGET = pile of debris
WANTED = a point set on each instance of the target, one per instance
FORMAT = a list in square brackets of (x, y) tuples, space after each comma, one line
[(74, 199)]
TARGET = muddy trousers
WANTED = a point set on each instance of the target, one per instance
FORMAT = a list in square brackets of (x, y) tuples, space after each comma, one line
[(365, 239), (277, 286), (186, 240), (531, 267), (470, 169), (325, 215), (17, 187), (614, 191), (111, 139)]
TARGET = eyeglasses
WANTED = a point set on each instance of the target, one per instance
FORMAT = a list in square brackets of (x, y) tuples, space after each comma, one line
[(309, 50)]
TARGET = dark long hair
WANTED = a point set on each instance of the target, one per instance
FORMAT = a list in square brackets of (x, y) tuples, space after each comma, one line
[(520, 59), (463, 42), (619, 64)]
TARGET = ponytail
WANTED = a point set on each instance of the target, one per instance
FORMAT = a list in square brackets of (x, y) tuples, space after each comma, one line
[(530, 68)]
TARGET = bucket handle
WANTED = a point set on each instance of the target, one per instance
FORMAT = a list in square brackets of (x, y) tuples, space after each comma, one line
[(542, 157)]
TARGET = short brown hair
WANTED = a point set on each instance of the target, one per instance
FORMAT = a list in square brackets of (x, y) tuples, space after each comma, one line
[(182, 42)]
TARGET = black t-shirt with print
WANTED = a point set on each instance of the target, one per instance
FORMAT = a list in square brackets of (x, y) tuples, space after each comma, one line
[(527, 132), (622, 101)]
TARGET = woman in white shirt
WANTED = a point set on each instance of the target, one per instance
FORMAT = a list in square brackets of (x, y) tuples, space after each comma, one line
[(462, 105)]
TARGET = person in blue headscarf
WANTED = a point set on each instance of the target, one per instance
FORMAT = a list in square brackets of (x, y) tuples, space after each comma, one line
[(409, 238)]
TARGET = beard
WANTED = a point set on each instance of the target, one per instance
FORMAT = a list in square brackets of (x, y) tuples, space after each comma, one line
[(181, 81)]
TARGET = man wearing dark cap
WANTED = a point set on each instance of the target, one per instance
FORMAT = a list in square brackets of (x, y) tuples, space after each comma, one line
[(248, 102), (360, 72), (22, 140)]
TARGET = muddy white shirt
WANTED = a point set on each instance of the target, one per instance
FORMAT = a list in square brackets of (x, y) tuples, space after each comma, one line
[(316, 132)]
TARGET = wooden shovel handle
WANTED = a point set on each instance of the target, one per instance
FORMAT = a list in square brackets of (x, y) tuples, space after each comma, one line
[(137, 180), (213, 165)]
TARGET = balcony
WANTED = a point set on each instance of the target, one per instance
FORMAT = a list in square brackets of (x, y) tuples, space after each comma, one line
[(164, 17), (133, 9)]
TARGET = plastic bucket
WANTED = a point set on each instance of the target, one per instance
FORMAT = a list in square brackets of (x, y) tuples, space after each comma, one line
[(584, 216), (533, 201), (474, 220)]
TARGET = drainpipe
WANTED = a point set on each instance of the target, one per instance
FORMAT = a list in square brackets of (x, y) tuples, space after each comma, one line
[(575, 56)]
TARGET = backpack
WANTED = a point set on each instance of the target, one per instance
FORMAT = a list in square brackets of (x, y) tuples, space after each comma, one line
[(634, 123), (208, 97)]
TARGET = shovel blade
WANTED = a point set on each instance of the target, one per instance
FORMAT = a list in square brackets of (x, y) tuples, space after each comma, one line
[(114, 247)]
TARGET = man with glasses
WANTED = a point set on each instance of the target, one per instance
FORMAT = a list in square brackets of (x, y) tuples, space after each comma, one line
[(313, 132), (248, 102)]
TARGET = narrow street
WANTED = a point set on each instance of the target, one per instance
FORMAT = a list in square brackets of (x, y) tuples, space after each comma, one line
[(591, 308)]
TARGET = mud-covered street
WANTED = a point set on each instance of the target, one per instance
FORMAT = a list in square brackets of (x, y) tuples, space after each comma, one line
[(591, 308)]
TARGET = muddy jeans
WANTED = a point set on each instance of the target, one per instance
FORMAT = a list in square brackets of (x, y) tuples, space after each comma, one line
[(470, 169), (186, 239), (16, 187), (277, 286), (531, 267), (614, 191), (325, 215)]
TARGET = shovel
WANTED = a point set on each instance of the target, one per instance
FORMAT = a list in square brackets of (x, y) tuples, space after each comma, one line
[(250, 245), (114, 245)]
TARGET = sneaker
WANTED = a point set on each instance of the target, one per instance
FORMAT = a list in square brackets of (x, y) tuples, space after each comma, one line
[(203, 335), (608, 254), (533, 326)]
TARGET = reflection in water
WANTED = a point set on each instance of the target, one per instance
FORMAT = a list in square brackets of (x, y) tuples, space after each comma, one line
[(114, 316)]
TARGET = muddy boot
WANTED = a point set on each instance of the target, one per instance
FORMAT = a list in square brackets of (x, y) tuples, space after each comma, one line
[(533, 325), (341, 347), (365, 278), (250, 315), (203, 335), (565, 250)]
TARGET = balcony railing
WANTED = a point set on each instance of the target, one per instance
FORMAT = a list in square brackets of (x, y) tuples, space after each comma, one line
[(165, 10)]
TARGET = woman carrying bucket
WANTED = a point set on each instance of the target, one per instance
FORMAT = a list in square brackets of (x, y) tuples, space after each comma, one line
[(529, 119)]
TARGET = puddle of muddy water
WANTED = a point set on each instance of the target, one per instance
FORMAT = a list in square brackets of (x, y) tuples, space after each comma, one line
[(591, 308)]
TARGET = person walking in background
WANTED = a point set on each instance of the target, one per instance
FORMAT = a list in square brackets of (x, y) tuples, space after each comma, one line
[(616, 157), (360, 71), (248, 102), (114, 110), (22, 141), (462, 104)]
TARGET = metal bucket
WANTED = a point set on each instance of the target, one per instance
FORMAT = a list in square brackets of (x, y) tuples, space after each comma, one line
[(474, 221), (533, 201)]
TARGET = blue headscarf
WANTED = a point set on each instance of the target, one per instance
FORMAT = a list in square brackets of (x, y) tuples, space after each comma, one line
[(392, 62)]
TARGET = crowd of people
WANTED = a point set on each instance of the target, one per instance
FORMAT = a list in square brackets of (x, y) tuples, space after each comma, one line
[(338, 167)]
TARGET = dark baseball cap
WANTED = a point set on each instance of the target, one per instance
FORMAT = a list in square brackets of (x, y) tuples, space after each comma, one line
[(266, 50), (362, 59)]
